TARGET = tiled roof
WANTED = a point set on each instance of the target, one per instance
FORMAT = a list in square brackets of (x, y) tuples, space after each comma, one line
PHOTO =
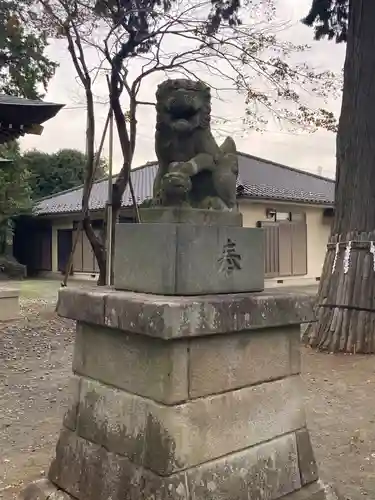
[(70, 201), (269, 180), (264, 192), (18, 115), (258, 179)]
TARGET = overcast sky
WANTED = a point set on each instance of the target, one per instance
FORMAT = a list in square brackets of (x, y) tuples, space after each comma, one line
[(314, 152)]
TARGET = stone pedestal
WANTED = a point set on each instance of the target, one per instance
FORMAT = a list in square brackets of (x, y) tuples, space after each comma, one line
[(195, 216), (184, 398), (188, 259), (9, 304)]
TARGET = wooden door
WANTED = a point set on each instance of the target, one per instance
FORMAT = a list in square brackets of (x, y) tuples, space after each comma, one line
[(271, 249), (299, 248), (285, 249), (64, 247)]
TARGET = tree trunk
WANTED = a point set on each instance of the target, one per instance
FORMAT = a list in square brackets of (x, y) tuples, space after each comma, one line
[(98, 248), (346, 297)]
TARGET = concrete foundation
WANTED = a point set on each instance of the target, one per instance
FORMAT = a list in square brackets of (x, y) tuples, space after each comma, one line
[(9, 304), (184, 398)]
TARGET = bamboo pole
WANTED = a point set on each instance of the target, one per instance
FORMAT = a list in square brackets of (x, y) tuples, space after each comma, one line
[(130, 182), (109, 205), (69, 265)]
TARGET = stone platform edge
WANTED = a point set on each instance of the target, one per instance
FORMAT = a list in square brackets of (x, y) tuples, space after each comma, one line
[(9, 293), (9, 304), (43, 489), (180, 317)]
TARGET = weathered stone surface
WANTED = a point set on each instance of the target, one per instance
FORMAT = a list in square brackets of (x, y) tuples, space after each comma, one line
[(331, 492), (266, 471), (211, 427), (195, 216), (295, 349), (70, 417), (185, 259), (67, 466), (222, 363), (192, 169), (166, 439), (43, 489), (10, 268), (9, 304), (59, 495), (173, 487), (82, 305), (165, 371), (195, 414), (145, 258), (8, 293), (205, 263), (150, 367), (313, 491), (151, 486), (39, 490), (306, 459), (90, 472), (113, 419), (177, 317)]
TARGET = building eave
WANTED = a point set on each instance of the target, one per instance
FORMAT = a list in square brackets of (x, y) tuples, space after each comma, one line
[(322, 204), (23, 116)]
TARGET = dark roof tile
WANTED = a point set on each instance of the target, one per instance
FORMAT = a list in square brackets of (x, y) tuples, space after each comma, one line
[(258, 178)]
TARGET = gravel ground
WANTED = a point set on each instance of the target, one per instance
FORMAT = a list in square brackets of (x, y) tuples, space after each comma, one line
[(35, 365)]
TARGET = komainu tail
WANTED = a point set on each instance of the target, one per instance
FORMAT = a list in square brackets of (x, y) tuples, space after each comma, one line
[(228, 146)]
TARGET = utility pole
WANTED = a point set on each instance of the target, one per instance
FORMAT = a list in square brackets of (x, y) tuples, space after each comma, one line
[(109, 204)]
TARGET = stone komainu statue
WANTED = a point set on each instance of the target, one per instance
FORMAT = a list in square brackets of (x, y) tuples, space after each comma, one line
[(193, 170)]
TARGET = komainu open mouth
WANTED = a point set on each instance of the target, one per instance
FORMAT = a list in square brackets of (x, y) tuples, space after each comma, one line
[(182, 112)]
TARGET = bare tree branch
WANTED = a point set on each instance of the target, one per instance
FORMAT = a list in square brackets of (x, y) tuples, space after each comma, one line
[(175, 38)]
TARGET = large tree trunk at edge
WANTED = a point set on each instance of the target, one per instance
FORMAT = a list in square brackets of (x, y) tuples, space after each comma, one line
[(346, 297)]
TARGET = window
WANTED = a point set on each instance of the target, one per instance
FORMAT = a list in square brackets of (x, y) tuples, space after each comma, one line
[(283, 216), (278, 216)]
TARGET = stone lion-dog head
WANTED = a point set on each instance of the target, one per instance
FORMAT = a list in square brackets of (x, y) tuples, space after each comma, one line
[(183, 105)]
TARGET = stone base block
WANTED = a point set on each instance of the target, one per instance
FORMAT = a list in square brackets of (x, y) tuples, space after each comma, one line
[(43, 489), (185, 259), (9, 304), (172, 318), (85, 471), (46, 490), (166, 439), (180, 370), (90, 472), (194, 216), (183, 398), (182, 410)]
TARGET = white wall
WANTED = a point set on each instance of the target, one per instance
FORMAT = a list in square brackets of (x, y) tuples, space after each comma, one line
[(317, 231)]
